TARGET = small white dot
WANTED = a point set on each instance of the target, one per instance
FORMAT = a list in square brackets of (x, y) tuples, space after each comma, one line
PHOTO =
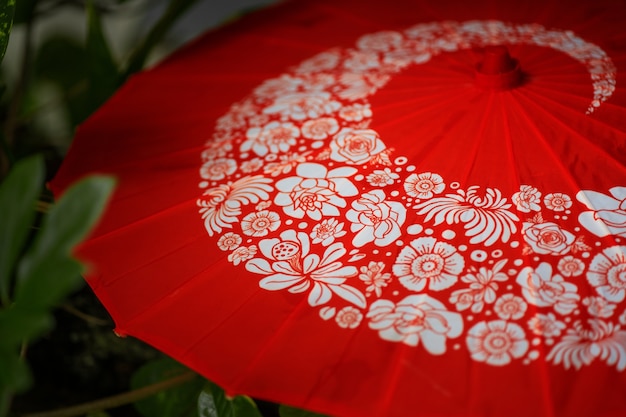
[(448, 234), (478, 255)]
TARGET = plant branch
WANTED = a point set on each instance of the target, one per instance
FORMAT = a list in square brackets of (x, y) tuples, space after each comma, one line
[(117, 400), (84, 316), (138, 59)]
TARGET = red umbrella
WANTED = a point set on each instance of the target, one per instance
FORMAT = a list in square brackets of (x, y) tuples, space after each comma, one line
[(368, 208)]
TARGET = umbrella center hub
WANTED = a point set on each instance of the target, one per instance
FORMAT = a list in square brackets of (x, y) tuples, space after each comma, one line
[(498, 70)]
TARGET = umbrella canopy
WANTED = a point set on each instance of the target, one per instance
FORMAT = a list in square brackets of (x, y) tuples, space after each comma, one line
[(372, 208)]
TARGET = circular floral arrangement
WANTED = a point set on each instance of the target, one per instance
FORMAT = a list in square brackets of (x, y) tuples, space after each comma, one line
[(298, 190)]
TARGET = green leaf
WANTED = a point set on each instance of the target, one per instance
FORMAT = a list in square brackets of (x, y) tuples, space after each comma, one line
[(214, 403), (178, 401), (14, 373), (286, 411), (19, 323), (104, 77), (18, 195), (47, 271), (69, 220), (49, 281), (7, 10)]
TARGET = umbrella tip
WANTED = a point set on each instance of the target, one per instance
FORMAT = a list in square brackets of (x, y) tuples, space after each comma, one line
[(497, 70)]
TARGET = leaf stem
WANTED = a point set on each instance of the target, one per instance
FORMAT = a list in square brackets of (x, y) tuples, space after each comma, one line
[(117, 400)]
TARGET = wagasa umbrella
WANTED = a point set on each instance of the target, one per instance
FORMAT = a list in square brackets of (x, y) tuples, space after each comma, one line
[(369, 208)]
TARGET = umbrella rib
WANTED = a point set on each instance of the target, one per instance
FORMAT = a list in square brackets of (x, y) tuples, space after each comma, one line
[(570, 129)]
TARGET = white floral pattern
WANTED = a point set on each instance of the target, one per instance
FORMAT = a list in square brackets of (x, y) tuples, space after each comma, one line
[(374, 219), (415, 318), (541, 288), (428, 262), (427, 259), (496, 342)]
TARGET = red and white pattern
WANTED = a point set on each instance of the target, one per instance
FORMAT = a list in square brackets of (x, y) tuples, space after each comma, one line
[(501, 276)]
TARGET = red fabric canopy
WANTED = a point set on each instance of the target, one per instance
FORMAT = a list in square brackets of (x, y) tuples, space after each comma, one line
[(325, 204)]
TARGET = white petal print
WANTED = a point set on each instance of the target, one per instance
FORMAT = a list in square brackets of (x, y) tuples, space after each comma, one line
[(220, 206), (486, 218), (584, 344)]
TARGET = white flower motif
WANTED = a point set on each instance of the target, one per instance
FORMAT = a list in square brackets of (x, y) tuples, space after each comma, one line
[(607, 214), (321, 62), (327, 231), (548, 238), (315, 191), (582, 345), (260, 223), (217, 169), (356, 112), (242, 254), (382, 178), (349, 317), (356, 86), (570, 267), (277, 87), (375, 220), (483, 284), (416, 318), (285, 163), (303, 106), (216, 150), (294, 268), (542, 289), (607, 272), (236, 118), (510, 307), (355, 146), (251, 165), (487, 218), (380, 41), (360, 62), (374, 277), (319, 129), (599, 307), (546, 325), (423, 185), (496, 342), (527, 199), (274, 137), (229, 241), (622, 318), (557, 201), (221, 206), (263, 205), (426, 261)]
